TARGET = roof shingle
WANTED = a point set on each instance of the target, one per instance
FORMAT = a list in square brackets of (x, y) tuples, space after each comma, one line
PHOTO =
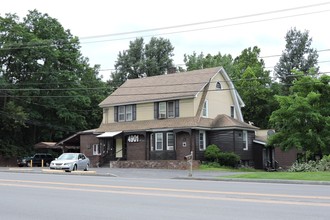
[(162, 87)]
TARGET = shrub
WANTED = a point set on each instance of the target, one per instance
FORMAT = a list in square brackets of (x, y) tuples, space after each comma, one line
[(311, 166), (228, 159), (211, 153)]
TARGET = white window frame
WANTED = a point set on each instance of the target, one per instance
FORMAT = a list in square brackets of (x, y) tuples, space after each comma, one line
[(129, 113), (121, 113), (169, 147), (205, 110), (171, 109), (245, 140), (232, 111), (105, 115), (202, 140), (159, 140), (152, 144), (162, 108), (96, 149)]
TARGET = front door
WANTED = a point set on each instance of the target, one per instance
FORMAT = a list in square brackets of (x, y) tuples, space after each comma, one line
[(119, 148), (183, 145)]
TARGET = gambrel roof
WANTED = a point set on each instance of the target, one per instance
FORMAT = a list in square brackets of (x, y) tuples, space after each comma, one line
[(166, 87)]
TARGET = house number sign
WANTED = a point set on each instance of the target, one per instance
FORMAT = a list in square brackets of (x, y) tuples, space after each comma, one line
[(133, 138)]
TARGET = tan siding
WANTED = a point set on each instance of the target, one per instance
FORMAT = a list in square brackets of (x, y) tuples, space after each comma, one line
[(145, 111), (219, 101), (197, 100), (187, 108)]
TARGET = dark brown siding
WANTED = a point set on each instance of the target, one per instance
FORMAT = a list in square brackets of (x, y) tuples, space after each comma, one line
[(285, 158), (136, 151), (258, 155), (86, 147), (232, 141)]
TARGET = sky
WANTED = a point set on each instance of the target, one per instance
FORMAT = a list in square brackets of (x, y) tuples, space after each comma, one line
[(210, 26)]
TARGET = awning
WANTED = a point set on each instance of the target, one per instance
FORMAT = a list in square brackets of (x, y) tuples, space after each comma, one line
[(108, 134)]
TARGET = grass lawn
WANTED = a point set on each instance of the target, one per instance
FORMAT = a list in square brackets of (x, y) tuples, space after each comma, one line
[(314, 176)]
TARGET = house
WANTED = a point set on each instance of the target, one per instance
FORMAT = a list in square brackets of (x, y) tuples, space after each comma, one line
[(165, 117), (270, 157)]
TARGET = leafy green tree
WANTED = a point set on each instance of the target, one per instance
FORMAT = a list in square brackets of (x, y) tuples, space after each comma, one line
[(158, 53), (142, 60), (303, 119), (257, 98), (195, 62), (46, 74), (254, 85), (298, 55)]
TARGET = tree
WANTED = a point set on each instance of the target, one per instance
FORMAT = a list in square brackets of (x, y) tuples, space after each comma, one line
[(252, 81), (142, 60), (254, 85), (195, 62), (46, 76), (303, 119), (298, 55)]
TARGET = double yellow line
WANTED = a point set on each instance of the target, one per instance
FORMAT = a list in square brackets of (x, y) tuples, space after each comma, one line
[(283, 199)]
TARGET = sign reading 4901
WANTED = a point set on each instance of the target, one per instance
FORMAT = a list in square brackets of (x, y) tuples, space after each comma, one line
[(133, 138)]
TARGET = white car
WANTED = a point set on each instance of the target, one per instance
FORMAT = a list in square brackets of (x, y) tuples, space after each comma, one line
[(70, 162)]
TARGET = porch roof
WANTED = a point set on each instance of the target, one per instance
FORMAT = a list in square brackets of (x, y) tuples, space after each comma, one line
[(108, 134)]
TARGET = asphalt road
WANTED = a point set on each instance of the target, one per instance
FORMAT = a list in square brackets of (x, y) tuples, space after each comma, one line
[(33, 195)]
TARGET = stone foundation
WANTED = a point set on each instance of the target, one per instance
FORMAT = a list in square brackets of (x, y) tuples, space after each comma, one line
[(155, 164)]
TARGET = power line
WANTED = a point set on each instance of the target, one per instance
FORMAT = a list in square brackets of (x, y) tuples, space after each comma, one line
[(191, 24), (208, 22), (206, 28)]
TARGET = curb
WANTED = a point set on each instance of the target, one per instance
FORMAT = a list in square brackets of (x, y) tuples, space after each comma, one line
[(306, 182)]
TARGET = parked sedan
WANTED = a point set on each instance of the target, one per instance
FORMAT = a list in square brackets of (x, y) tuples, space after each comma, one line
[(70, 162)]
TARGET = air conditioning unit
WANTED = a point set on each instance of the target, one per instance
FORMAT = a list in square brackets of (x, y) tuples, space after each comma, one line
[(162, 116)]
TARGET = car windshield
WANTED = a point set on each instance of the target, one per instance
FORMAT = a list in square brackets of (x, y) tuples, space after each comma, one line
[(68, 157)]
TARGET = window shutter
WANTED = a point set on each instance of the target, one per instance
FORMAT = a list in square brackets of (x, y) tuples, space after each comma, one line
[(155, 110), (177, 110), (115, 117), (134, 112)]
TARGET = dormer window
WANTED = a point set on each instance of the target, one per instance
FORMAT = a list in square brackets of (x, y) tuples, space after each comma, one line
[(218, 85)]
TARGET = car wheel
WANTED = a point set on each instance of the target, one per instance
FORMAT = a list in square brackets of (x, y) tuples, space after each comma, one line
[(74, 167), (87, 167)]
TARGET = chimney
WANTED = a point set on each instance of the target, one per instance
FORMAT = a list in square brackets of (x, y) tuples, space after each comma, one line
[(171, 70)]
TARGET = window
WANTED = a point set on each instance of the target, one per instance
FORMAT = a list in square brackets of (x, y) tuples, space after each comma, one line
[(202, 140), (170, 141), (218, 85), (105, 115), (205, 109), (232, 111), (159, 141), (121, 113), (96, 149), (162, 110), (125, 113), (170, 109), (245, 141), (129, 113), (152, 147)]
